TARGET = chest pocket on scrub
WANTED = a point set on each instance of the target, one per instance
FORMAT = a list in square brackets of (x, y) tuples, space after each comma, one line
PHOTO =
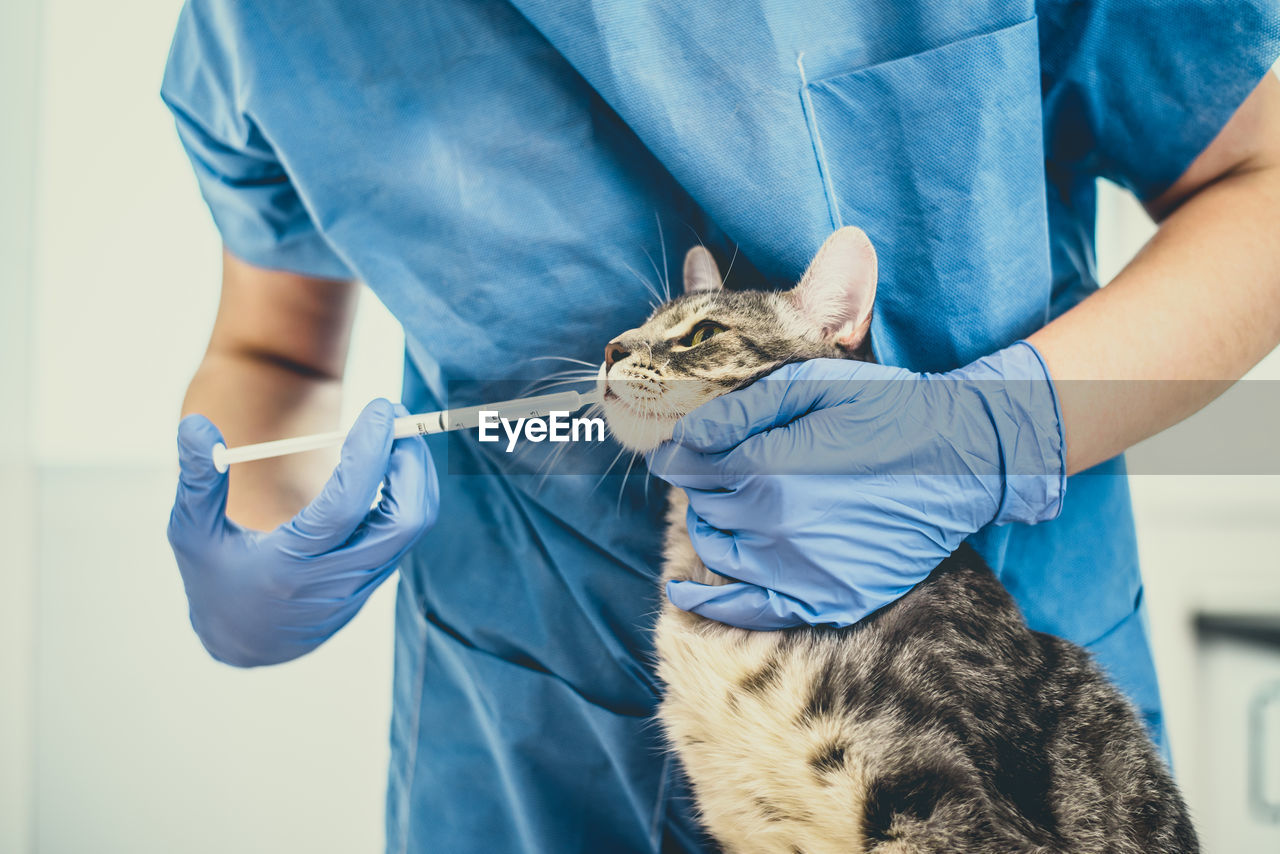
[(939, 156)]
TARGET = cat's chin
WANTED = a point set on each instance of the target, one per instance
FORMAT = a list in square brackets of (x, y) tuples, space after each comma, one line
[(637, 433)]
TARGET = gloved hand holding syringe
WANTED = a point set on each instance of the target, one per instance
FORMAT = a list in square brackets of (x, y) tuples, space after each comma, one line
[(414, 425), (266, 596)]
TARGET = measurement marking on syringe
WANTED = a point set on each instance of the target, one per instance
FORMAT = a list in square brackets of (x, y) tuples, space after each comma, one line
[(434, 424)]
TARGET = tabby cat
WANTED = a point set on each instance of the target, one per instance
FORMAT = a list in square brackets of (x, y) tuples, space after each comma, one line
[(939, 724)]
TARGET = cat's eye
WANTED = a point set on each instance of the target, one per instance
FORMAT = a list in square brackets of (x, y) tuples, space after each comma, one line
[(704, 330)]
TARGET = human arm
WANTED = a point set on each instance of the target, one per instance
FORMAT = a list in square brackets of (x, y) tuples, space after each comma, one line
[(274, 366), (1200, 302), (933, 458), (273, 369)]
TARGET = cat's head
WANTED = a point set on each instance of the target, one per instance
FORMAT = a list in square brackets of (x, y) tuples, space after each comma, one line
[(711, 341)]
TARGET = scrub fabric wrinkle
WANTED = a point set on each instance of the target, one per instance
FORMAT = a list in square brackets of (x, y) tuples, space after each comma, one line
[(497, 171)]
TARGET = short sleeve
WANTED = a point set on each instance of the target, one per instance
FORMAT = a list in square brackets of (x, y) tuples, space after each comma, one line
[(257, 209), (1134, 90)]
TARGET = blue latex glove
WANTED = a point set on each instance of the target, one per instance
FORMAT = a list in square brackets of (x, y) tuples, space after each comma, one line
[(266, 597), (829, 488)]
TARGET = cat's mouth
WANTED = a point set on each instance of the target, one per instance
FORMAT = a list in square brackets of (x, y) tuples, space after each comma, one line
[(637, 410), (641, 407), (645, 398)]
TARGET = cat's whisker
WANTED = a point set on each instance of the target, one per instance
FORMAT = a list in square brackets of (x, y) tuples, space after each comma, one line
[(622, 488), (665, 296), (553, 461), (577, 372), (547, 386), (544, 471), (725, 278), (696, 236), (565, 381), (645, 283), (592, 365), (576, 376), (582, 373), (608, 469), (662, 242)]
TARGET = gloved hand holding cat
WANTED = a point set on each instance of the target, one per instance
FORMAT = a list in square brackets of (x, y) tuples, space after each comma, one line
[(831, 487)]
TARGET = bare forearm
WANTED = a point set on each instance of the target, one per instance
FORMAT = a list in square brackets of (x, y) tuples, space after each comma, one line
[(1201, 302), (274, 369), (253, 399)]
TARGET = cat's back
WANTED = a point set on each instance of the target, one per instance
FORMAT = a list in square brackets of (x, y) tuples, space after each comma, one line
[(941, 720)]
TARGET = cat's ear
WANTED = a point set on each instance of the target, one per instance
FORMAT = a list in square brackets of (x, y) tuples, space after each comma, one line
[(839, 288), (700, 272)]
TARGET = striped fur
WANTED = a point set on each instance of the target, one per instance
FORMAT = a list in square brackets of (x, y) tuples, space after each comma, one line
[(939, 724)]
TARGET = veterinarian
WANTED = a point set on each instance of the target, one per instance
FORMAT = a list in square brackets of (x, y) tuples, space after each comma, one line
[(493, 170)]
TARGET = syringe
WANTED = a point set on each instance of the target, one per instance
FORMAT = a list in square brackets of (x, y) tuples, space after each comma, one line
[(414, 425)]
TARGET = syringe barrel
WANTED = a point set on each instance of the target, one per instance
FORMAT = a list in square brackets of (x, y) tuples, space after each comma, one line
[(460, 419), (412, 425)]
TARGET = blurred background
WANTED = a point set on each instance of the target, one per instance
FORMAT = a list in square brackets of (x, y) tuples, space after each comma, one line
[(119, 734)]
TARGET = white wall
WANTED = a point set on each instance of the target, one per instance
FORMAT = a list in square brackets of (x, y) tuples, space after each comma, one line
[(138, 742), (126, 255), (145, 744), (19, 62)]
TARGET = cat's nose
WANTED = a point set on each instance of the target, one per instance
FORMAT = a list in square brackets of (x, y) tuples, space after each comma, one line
[(614, 351)]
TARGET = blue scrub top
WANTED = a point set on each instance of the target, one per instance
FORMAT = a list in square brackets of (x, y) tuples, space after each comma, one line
[(496, 172)]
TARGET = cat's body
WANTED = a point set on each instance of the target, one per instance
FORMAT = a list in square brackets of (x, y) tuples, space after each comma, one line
[(939, 724)]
